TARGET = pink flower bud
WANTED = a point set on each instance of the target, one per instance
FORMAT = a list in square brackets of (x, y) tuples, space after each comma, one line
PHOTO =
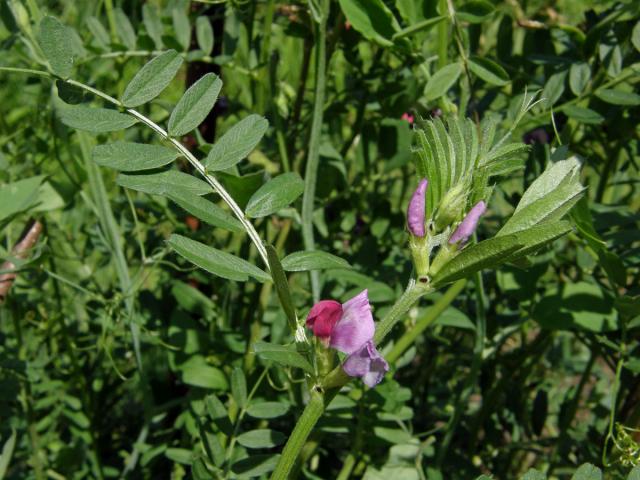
[(416, 210), (468, 224), (323, 317)]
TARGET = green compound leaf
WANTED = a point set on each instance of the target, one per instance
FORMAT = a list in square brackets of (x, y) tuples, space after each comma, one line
[(277, 193), (489, 71), (95, 120), (441, 81), (261, 438), (205, 210), (152, 79), (56, 41), (312, 260), (236, 143), (216, 261), (195, 105), (286, 355), (171, 182), (128, 156)]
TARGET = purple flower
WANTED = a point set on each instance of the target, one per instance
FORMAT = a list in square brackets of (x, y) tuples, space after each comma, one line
[(416, 210), (367, 363), (349, 328), (468, 224)]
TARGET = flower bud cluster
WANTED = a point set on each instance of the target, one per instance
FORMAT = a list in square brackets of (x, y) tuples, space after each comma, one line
[(449, 214)]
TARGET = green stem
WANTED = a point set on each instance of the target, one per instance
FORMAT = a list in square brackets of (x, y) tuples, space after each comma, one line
[(313, 158), (111, 19), (310, 416), (432, 314), (410, 296)]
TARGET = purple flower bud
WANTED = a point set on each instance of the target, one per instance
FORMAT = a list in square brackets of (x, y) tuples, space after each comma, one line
[(366, 363), (468, 224), (416, 210)]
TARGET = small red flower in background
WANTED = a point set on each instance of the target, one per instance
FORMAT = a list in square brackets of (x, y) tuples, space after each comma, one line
[(408, 117)]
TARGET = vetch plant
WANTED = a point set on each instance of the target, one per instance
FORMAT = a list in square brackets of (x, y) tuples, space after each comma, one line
[(231, 346)]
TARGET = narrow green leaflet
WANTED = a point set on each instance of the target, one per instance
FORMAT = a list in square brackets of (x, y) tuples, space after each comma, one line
[(171, 182), (236, 143), (282, 287), (261, 438), (182, 27), (552, 206), (153, 24), (283, 355), (216, 261), (195, 105), (583, 114), (56, 41), (488, 70), (554, 88), (441, 81), (99, 33), (205, 210), (7, 453), (204, 34), (474, 258), (536, 237), (372, 19), (268, 409), (579, 76), (255, 465), (618, 97), (197, 372), (125, 30), (475, 11), (128, 156), (152, 79), (277, 193), (95, 120), (239, 387), (312, 260)]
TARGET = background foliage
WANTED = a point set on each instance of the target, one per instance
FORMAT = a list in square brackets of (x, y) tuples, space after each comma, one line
[(119, 359)]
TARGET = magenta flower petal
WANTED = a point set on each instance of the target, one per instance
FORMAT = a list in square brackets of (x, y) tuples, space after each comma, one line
[(323, 317), (356, 326), (416, 210), (468, 224), (366, 363)]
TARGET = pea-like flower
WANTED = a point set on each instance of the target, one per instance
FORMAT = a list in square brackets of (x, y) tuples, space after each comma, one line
[(468, 224), (416, 210), (349, 328)]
